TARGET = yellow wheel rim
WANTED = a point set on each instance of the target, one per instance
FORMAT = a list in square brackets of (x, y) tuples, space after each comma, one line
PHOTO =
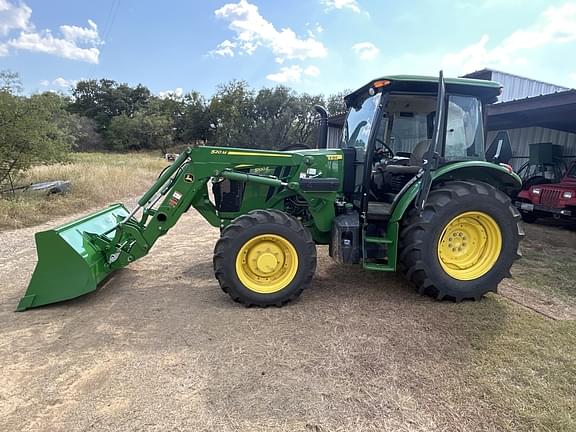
[(266, 263), (470, 245)]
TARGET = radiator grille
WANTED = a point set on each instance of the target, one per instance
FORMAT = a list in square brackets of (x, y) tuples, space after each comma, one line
[(550, 197)]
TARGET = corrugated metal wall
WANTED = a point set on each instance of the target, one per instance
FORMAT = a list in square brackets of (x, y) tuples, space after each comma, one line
[(515, 87), (334, 137), (521, 138)]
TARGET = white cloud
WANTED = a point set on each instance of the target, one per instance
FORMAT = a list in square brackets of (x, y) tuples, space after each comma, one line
[(224, 49), (366, 50), (74, 42), (14, 17), (342, 4), (171, 94), (488, 4), (60, 83), (254, 31), (79, 34), (45, 42), (312, 71), (286, 74), (557, 25), (293, 73), (314, 29)]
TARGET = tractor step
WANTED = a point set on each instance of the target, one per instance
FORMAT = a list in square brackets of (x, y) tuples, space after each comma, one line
[(379, 240), (378, 267)]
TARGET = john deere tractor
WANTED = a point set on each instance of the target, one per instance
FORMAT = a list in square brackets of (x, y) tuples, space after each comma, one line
[(409, 188)]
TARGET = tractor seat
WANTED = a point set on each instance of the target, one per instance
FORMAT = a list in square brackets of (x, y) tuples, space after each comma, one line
[(415, 163)]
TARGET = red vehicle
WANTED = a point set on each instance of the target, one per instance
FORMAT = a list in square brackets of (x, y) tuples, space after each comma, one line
[(555, 199)]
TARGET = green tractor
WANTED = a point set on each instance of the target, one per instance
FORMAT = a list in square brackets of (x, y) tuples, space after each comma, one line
[(408, 189)]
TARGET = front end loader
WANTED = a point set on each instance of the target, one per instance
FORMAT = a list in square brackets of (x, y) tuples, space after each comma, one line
[(409, 188)]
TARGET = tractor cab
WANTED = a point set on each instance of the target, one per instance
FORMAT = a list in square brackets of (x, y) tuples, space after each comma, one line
[(389, 132)]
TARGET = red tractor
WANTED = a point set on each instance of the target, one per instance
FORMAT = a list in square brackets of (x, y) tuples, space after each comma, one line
[(551, 199)]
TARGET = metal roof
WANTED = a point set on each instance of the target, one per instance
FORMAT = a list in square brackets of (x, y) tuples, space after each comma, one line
[(484, 89), (553, 111), (516, 87)]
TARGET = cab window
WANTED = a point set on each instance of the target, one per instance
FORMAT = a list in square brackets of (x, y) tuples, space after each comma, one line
[(464, 129)]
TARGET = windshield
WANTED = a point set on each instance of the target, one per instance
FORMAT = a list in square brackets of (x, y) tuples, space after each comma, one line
[(359, 123)]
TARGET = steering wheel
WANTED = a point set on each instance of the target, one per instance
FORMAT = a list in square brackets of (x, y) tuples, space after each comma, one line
[(383, 152)]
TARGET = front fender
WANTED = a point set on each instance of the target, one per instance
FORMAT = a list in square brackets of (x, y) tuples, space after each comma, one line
[(496, 175)]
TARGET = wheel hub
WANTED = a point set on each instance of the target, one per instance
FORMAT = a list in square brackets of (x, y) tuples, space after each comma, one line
[(469, 245), (266, 263)]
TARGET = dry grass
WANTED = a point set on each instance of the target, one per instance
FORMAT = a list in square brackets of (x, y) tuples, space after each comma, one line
[(97, 179), (548, 263), (523, 366)]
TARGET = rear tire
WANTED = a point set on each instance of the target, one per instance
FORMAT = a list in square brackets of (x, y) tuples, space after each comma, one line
[(485, 230), (264, 258)]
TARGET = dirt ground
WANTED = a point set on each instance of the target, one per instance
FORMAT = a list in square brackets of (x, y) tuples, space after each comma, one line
[(545, 277), (160, 347)]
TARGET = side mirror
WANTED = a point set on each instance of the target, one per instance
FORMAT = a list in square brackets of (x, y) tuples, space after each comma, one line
[(500, 151)]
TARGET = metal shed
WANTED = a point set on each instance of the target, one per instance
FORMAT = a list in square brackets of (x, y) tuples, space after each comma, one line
[(532, 112), (514, 86)]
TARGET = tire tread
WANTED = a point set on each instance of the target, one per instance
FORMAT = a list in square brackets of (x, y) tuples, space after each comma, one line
[(413, 235), (240, 224)]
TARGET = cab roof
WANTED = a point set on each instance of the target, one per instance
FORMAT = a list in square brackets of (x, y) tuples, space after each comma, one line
[(487, 91)]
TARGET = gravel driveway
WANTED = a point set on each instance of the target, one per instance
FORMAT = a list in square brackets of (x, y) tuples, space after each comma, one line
[(160, 347)]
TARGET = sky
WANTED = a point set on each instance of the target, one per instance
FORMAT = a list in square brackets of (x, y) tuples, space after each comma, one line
[(314, 46)]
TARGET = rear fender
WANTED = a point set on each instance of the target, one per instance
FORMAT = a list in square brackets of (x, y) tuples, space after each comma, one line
[(496, 175)]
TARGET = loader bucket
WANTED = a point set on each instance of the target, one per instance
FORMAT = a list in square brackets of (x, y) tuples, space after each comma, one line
[(69, 264)]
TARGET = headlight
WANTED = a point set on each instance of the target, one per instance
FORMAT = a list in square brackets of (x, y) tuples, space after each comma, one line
[(536, 191), (567, 194)]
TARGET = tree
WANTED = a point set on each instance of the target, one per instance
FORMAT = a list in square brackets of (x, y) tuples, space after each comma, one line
[(105, 99), (86, 132), (335, 103), (194, 125), (231, 112), (33, 130), (142, 131), (274, 111), (305, 123), (10, 82)]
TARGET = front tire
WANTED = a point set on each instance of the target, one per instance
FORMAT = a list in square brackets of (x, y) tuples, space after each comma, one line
[(464, 242), (264, 258)]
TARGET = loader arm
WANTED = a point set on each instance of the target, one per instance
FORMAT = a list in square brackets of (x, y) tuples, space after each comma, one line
[(74, 259), (185, 185)]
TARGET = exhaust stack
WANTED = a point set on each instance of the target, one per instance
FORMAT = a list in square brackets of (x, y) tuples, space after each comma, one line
[(323, 129)]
